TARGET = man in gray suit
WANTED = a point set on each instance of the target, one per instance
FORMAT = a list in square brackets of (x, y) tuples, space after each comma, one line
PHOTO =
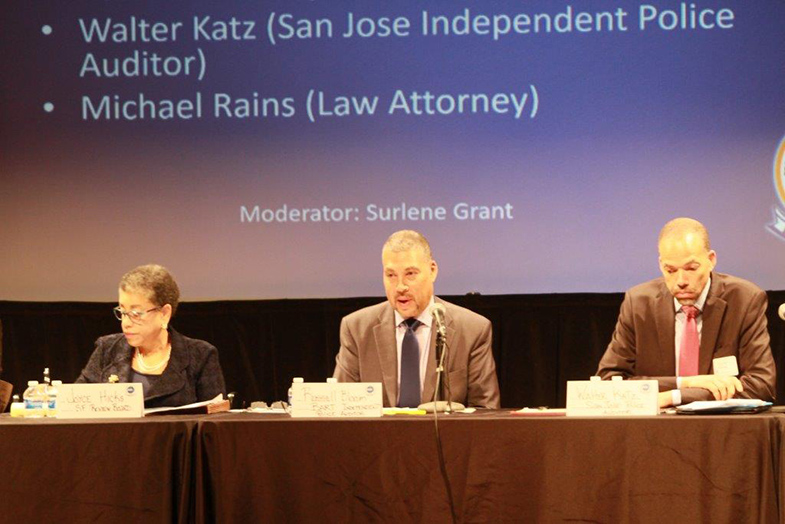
[(672, 329), (394, 342)]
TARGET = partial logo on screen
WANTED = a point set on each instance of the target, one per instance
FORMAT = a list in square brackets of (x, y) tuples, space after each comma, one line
[(777, 226)]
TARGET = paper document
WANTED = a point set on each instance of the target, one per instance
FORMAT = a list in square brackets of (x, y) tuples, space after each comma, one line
[(195, 408), (264, 411), (732, 405), (540, 412)]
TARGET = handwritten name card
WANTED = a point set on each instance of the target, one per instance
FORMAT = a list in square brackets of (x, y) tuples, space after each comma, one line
[(612, 398), (100, 400), (321, 399)]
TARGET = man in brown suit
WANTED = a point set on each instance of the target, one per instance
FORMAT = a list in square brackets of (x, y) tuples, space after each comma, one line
[(376, 340), (729, 313)]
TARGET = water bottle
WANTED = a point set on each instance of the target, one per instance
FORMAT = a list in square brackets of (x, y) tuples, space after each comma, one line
[(45, 387), (17, 407), (34, 405), (295, 380), (52, 397)]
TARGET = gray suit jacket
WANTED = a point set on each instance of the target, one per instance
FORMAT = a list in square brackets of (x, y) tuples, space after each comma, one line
[(734, 323), (193, 373), (368, 353)]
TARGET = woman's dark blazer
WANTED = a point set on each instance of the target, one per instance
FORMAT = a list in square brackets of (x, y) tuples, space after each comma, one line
[(193, 373)]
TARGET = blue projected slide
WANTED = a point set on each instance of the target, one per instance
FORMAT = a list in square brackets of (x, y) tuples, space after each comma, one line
[(267, 149)]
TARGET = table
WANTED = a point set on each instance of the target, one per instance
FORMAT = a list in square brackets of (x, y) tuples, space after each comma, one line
[(239, 467), (502, 469), (122, 470)]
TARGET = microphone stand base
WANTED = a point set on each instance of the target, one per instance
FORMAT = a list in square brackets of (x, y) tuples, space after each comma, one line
[(441, 406)]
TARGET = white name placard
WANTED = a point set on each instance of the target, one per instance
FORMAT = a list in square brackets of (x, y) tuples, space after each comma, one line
[(612, 398), (121, 400), (726, 366), (322, 399)]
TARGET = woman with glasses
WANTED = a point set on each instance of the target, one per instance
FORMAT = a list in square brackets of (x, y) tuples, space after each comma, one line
[(175, 370)]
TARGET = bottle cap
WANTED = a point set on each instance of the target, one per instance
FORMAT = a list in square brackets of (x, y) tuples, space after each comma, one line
[(32, 382), (332, 380), (298, 380), (57, 382)]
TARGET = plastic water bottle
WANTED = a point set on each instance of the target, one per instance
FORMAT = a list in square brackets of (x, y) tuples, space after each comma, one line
[(51, 410), (33, 399), (45, 387), (295, 380), (17, 407)]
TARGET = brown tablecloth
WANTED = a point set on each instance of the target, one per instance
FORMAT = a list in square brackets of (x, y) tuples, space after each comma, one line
[(501, 468), (258, 468), (128, 470)]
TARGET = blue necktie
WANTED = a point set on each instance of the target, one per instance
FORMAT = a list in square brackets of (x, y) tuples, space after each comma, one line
[(410, 367)]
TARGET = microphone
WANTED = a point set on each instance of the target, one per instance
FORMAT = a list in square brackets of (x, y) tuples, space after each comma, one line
[(438, 317), (442, 379), (781, 311)]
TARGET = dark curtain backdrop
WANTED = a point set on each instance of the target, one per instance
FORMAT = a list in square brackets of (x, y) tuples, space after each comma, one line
[(539, 341)]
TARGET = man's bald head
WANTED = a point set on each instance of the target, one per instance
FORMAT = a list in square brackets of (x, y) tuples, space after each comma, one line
[(686, 258), (680, 228)]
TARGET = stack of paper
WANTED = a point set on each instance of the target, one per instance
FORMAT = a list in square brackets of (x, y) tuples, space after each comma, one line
[(732, 405)]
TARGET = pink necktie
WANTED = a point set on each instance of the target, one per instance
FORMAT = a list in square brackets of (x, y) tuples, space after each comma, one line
[(690, 344)]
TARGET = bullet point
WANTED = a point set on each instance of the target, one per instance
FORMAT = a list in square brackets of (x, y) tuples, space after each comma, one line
[(49, 107), (47, 29)]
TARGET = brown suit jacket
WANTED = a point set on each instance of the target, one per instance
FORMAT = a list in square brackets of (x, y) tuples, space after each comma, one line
[(368, 353), (734, 323)]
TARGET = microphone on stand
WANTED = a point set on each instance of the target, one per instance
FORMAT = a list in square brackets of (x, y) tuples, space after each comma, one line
[(781, 311), (438, 318), (440, 406)]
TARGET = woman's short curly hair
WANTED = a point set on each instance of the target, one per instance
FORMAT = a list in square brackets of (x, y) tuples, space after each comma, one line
[(154, 281)]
